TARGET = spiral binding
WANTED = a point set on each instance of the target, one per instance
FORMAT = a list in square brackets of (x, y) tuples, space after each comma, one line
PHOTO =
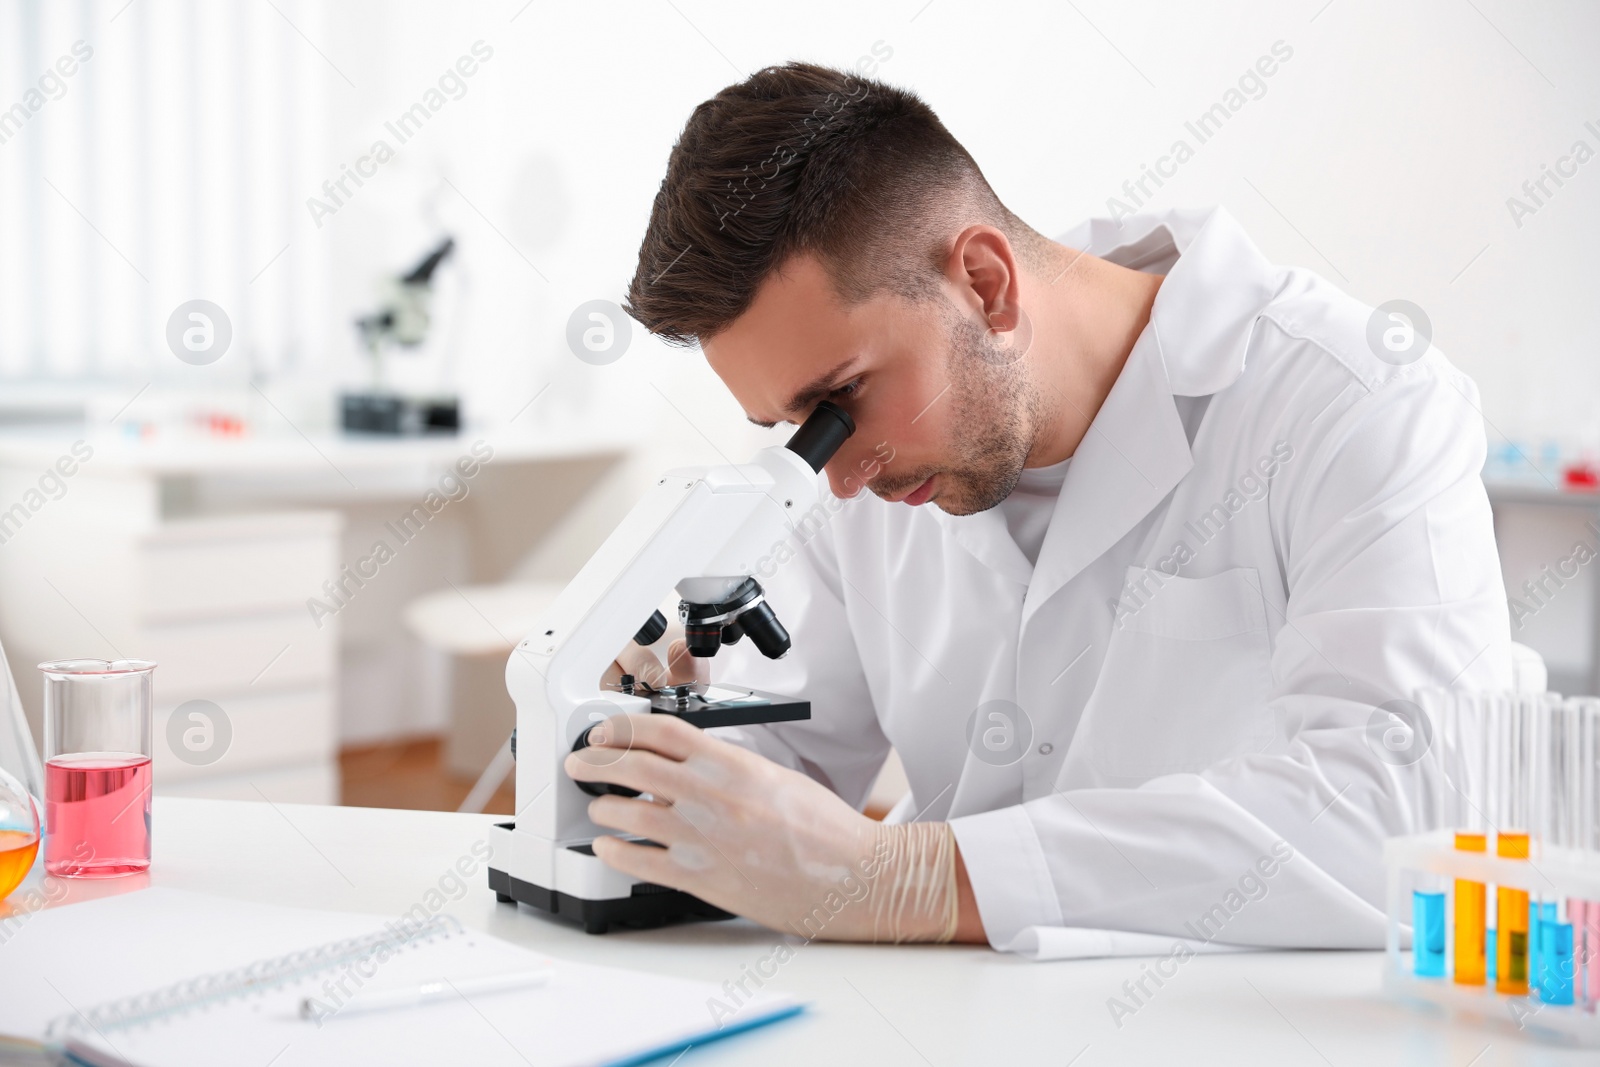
[(252, 978)]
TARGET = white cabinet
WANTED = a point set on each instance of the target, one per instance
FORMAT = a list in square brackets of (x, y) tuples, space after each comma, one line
[(246, 681), (243, 664)]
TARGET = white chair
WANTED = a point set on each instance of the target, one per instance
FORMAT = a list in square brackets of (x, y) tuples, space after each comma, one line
[(478, 626)]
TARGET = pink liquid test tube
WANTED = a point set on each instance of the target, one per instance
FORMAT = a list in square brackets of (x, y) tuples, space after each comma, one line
[(1591, 962), (1585, 948), (1586, 913), (97, 769)]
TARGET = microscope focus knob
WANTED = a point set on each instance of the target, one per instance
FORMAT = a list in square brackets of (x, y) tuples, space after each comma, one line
[(651, 631), (600, 789)]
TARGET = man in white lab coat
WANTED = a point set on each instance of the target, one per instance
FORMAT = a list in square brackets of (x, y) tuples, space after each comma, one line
[(1159, 543)]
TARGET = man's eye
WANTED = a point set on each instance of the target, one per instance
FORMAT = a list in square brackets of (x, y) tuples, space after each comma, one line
[(847, 390)]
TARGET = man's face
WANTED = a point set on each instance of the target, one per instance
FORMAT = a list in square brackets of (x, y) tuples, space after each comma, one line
[(924, 378)]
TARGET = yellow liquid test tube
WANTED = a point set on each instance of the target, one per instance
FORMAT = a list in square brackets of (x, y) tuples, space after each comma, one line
[(1511, 951), (1471, 961)]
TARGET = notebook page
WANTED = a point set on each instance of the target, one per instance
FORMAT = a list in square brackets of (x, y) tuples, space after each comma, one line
[(70, 958), (582, 1015)]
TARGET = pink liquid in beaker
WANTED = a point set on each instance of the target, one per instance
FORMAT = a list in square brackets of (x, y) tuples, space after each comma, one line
[(97, 814)]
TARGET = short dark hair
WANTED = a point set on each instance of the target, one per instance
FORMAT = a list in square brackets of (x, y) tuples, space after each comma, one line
[(798, 158)]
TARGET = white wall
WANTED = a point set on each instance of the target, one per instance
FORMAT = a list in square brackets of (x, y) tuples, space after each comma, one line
[(1381, 154)]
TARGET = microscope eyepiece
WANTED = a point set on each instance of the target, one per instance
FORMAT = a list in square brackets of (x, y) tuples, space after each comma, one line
[(820, 436)]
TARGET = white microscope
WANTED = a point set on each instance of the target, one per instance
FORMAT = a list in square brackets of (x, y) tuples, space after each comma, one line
[(698, 531)]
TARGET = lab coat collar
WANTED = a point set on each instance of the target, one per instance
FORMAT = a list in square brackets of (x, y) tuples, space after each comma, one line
[(986, 536), (1133, 455), (1136, 450), (1217, 283)]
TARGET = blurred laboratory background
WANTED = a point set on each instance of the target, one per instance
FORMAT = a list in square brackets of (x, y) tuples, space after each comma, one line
[(313, 388)]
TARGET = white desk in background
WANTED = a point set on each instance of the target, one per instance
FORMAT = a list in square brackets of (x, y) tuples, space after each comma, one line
[(869, 1004), (202, 553), (1568, 634)]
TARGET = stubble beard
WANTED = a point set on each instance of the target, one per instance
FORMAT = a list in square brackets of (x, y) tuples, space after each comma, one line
[(993, 409)]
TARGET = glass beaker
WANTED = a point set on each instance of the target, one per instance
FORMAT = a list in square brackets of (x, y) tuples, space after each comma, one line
[(97, 767)]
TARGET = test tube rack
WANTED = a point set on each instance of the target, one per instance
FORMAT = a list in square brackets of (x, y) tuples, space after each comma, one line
[(1549, 873)]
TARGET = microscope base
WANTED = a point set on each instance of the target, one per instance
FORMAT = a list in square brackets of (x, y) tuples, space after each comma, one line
[(650, 905), (569, 882)]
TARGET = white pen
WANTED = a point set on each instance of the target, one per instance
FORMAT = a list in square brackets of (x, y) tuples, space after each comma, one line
[(428, 992)]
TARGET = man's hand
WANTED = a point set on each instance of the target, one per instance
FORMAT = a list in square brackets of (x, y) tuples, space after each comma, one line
[(763, 841)]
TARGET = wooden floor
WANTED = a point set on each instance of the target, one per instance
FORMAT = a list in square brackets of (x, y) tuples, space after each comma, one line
[(409, 774)]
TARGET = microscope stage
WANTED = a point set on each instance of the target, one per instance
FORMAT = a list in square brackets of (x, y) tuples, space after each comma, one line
[(711, 705)]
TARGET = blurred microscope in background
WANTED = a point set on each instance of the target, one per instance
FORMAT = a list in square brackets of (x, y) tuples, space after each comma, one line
[(401, 321)]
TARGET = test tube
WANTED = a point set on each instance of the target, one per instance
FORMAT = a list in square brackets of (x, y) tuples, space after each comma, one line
[(1511, 841), (1428, 796), (1556, 773), (1467, 748), (1495, 709), (1428, 928), (1585, 914)]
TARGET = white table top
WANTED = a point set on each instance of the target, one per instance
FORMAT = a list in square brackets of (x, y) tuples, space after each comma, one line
[(881, 1005)]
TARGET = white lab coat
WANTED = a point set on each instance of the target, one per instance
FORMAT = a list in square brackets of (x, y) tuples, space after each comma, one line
[(1267, 534)]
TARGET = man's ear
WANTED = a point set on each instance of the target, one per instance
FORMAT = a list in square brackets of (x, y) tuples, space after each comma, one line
[(983, 268)]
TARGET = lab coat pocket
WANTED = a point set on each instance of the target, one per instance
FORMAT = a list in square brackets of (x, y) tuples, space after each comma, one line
[(1186, 677)]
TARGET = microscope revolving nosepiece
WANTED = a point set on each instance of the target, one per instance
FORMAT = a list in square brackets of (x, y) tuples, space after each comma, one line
[(707, 627)]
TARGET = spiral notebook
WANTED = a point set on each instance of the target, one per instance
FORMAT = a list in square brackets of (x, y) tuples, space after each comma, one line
[(167, 978)]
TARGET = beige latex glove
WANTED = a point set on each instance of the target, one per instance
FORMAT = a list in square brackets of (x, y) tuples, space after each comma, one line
[(644, 663), (761, 840)]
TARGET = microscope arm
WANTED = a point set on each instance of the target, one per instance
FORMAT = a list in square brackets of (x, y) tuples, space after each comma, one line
[(698, 530)]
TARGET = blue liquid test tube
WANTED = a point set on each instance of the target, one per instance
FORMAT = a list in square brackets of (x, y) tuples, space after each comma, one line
[(1559, 806), (1555, 958), (1535, 943), (1427, 933)]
